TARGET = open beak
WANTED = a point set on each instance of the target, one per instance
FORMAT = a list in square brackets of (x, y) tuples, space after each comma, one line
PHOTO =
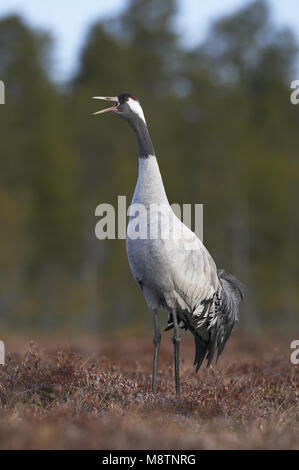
[(107, 98)]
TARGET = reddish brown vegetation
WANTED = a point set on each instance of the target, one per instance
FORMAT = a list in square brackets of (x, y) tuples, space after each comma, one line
[(98, 397)]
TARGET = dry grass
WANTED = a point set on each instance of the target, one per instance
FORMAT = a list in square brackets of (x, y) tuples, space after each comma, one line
[(97, 396)]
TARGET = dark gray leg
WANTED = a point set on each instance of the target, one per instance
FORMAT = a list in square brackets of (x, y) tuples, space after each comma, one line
[(176, 341), (157, 340)]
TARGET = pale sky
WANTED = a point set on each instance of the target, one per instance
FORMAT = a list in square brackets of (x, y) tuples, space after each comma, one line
[(68, 21)]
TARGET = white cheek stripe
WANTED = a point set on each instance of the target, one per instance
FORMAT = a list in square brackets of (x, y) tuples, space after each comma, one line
[(136, 108)]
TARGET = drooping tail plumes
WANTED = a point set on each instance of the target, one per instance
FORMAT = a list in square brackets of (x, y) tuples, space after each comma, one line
[(233, 283), (231, 295), (201, 347)]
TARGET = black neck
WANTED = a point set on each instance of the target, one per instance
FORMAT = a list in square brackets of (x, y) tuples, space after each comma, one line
[(143, 138)]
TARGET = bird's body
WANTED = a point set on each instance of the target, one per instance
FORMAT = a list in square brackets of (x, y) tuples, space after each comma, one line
[(170, 263), (175, 272)]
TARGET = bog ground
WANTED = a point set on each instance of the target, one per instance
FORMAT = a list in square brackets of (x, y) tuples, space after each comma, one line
[(89, 393)]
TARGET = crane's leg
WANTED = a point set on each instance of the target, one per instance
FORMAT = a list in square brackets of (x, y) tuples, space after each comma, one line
[(176, 341), (157, 340)]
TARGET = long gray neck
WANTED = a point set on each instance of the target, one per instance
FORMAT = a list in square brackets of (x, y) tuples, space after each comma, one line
[(149, 188), (143, 138)]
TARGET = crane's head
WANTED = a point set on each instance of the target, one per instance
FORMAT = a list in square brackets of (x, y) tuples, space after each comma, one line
[(125, 105)]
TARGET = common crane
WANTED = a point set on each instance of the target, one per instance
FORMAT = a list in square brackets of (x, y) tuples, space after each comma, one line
[(176, 272)]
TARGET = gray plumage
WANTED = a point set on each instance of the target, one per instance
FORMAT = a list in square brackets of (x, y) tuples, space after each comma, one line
[(173, 277), (175, 272)]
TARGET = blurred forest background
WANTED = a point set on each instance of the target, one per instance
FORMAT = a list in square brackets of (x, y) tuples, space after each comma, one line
[(225, 133)]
